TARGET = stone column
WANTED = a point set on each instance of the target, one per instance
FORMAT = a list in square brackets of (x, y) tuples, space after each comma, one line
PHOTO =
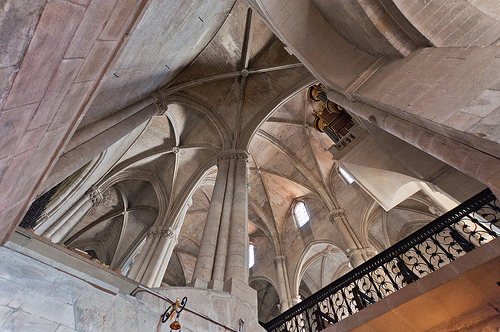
[(63, 226), (89, 131), (217, 281), (283, 285), (236, 275), (237, 253), (205, 262), (171, 244), (139, 266), (148, 267), (90, 141), (167, 240), (356, 250)]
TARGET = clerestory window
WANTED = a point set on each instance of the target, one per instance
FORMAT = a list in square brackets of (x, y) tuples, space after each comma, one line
[(346, 175), (251, 255), (301, 214)]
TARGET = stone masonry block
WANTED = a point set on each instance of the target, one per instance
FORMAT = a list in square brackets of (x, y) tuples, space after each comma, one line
[(53, 34), (119, 20), (23, 321), (31, 139), (95, 18), (8, 213), (52, 309), (17, 22), (484, 104), (10, 178), (13, 124), (7, 76), (5, 312), (63, 328), (81, 2), (59, 87), (22, 270), (488, 127), (73, 100), (96, 60), (8, 291), (94, 313), (30, 169)]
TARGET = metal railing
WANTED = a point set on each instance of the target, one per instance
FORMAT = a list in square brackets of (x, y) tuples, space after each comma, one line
[(141, 288), (471, 224)]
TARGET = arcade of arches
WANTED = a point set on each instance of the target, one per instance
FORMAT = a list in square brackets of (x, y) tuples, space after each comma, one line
[(165, 136)]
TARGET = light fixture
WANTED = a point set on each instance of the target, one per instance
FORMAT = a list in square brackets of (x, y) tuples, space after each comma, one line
[(174, 310), (175, 325)]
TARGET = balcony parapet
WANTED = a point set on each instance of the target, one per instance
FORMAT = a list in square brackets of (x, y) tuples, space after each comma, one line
[(457, 232)]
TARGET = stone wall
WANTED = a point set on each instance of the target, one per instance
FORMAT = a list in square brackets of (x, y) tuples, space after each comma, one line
[(37, 297)]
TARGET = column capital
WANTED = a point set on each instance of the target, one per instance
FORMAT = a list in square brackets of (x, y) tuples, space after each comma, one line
[(95, 194), (280, 259), (169, 232), (161, 231), (43, 217), (336, 214), (160, 101), (233, 154)]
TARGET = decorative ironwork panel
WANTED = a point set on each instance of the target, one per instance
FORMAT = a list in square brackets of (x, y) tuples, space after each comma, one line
[(437, 244)]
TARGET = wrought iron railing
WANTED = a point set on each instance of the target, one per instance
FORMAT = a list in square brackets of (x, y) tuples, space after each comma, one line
[(471, 224)]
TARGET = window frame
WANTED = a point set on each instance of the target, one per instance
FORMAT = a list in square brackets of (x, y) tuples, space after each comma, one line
[(345, 175), (295, 206), (251, 255)]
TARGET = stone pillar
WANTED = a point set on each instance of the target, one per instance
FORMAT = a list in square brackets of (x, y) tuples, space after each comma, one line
[(356, 251), (167, 240), (283, 285), (63, 226), (89, 131), (171, 244), (148, 267), (204, 264), (138, 268), (92, 140), (237, 252), (217, 281), (236, 275)]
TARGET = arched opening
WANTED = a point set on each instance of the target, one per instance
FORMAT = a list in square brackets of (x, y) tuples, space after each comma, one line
[(268, 301)]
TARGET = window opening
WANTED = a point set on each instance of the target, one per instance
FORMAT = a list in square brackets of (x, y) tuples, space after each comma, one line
[(301, 214), (346, 175), (251, 255)]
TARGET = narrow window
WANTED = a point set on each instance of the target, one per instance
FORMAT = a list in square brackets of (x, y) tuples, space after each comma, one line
[(346, 175), (251, 255), (301, 214)]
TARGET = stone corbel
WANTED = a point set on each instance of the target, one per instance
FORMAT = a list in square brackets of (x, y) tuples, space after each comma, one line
[(168, 232), (279, 260), (233, 154), (160, 101), (95, 194), (338, 213), (161, 231)]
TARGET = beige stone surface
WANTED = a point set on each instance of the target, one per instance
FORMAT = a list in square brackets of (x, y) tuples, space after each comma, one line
[(138, 98)]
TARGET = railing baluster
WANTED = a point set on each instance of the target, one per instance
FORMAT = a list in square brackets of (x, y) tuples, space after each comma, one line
[(408, 275), (480, 224), (348, 306), (390, 277), (333, 308), (461, 241), (374, 286), (429, 265), (450, 256)]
